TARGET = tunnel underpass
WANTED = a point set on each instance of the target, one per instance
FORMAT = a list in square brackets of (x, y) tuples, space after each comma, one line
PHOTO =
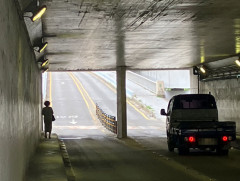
[(116, 36)]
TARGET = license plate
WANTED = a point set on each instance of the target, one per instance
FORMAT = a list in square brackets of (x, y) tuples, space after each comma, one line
[(207, 141)]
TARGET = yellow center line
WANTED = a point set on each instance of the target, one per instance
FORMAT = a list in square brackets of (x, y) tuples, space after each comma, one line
[(76, 81), (140, 112), (94, 105), (110, 87), (114, 90), (73, 78)]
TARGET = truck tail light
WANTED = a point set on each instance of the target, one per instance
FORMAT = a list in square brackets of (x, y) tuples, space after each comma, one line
[(190, 139), (225, 138)]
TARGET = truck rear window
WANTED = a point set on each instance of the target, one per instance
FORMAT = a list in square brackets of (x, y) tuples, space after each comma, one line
[(196, 101)]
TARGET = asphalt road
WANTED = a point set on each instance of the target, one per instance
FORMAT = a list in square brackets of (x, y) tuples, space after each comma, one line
[(96, 153)]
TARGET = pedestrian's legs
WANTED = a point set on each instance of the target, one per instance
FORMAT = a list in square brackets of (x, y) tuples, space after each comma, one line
[(49, 135), (45, 134)]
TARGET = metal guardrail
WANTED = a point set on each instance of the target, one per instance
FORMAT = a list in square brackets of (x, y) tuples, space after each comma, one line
[(107, 121)]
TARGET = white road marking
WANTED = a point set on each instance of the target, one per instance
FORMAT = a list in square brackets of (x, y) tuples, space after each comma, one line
[(64, 117), (71, 138), (73, 116), (73, 122), (98, 127), (76, 127)]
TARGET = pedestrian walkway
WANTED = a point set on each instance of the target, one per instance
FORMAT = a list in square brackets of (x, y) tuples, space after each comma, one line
[(47, 163)]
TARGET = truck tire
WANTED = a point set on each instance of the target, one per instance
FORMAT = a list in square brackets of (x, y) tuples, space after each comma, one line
[(170, 143), (183, 150), (170, 146)]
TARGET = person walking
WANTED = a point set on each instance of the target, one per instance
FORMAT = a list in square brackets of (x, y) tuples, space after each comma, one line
[(47, 112)]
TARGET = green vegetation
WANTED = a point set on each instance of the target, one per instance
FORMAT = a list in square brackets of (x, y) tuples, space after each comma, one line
[(149, 107)]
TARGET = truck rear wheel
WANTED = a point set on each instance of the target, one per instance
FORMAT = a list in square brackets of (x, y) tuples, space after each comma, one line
[(170, 144)]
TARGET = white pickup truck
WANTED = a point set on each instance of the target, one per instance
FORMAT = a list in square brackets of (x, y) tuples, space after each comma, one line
[(192, 122)]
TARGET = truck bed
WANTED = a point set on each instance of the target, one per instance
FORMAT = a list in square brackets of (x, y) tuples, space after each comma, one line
[(207, 128), (204, 124)]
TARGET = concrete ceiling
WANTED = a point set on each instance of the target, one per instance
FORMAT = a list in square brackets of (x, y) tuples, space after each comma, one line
[(151, 34)]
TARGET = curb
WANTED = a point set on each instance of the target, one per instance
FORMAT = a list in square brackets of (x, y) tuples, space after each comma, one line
[(66, 160)]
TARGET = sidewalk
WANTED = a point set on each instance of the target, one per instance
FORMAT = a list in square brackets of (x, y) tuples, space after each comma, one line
[(47, 163)]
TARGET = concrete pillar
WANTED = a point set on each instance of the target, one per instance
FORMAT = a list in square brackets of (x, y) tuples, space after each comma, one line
[(121, 75), (121, 103)]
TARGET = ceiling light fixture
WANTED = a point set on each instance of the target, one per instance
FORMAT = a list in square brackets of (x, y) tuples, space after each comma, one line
[(202, 70), (42, 47), (195, 70), (44, 62), (237, 62), (38, 14)]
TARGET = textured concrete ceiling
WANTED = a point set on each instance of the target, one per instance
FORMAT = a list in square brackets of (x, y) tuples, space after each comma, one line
[(151, 34)]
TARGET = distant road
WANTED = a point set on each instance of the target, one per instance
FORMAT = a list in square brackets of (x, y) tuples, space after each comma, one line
[(74, 96)]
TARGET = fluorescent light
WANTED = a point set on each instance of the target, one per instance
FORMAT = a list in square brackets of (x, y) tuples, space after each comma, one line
[(44, 62), (39, 13), (202, 70), (43, 47), (237, 62)]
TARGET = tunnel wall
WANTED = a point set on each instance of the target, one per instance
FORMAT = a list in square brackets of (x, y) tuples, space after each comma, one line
[(20, 95), (227, 95)]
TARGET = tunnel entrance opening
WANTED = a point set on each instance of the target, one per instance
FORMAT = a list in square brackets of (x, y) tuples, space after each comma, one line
[(75, 97)]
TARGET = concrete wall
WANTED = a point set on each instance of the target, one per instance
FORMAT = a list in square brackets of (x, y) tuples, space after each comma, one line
[(20, 95), (171, 78), (227, 94), (142, 81)]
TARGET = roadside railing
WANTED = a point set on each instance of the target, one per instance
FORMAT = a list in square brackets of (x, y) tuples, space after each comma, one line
[(107, 121)]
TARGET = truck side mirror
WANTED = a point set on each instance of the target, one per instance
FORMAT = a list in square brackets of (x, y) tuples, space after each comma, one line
[(163, 112)]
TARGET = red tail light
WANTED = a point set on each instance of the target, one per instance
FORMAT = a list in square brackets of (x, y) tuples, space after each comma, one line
[(225, 138), (191, 139)]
